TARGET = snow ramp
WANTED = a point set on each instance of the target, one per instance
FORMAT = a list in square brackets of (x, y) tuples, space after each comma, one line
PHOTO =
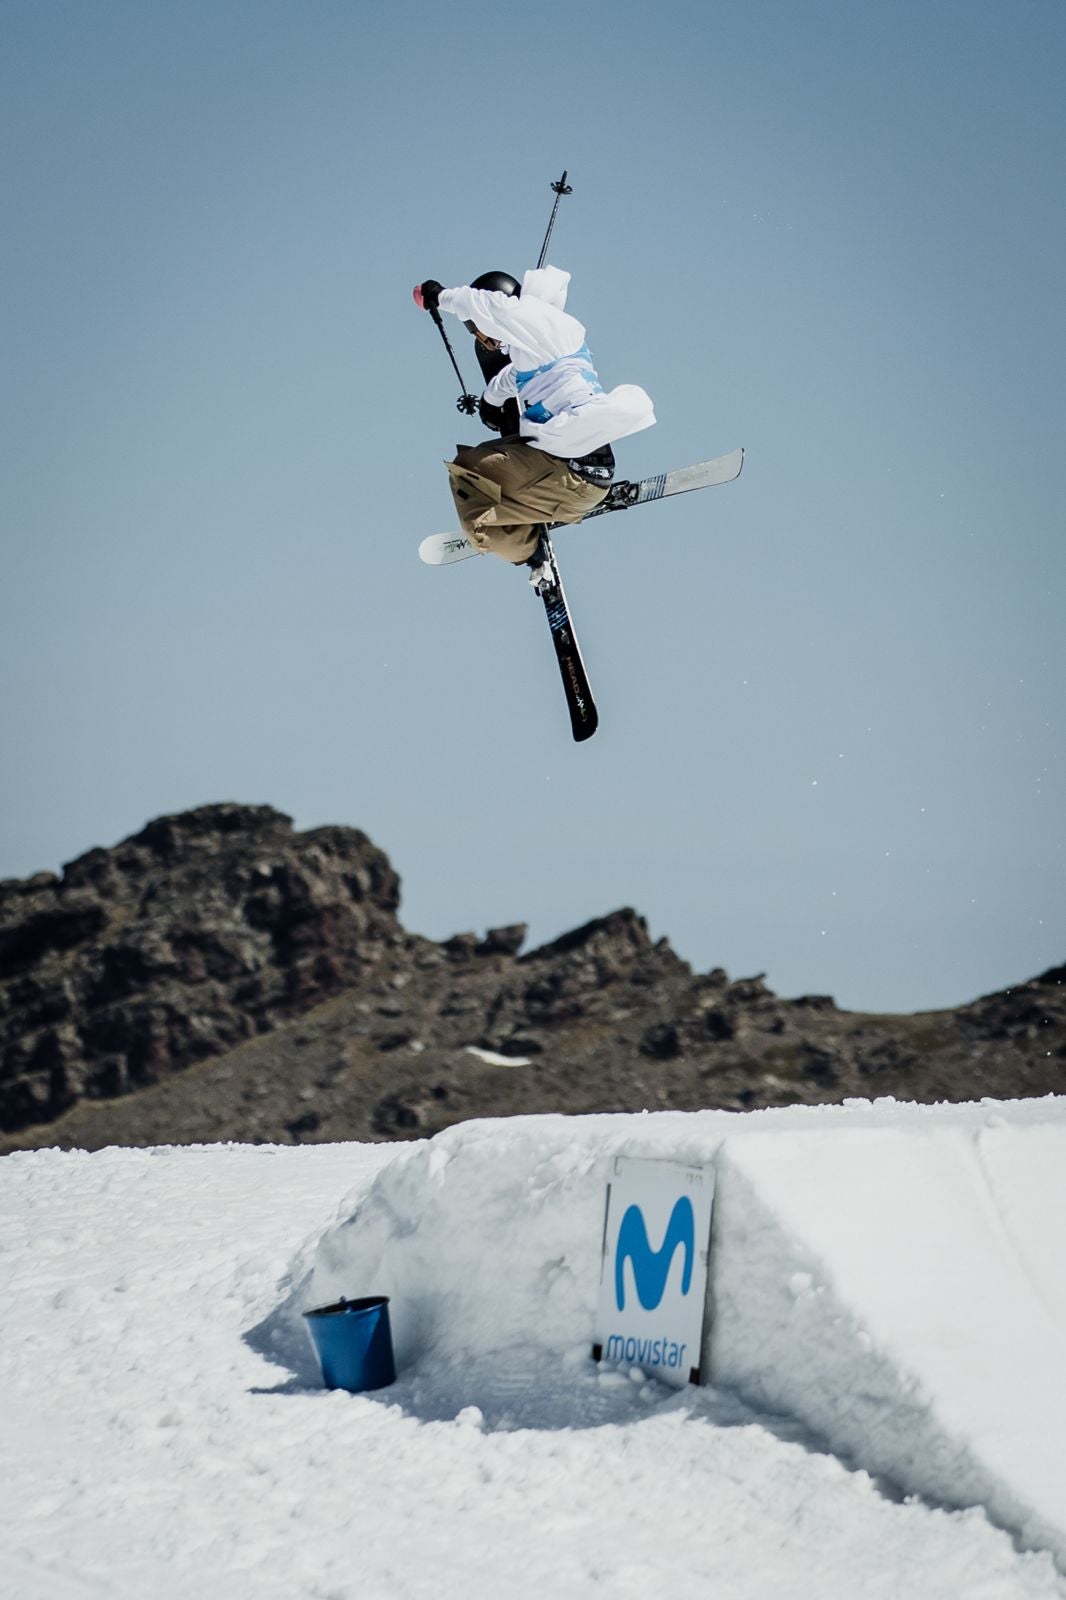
[(904, 1294), (891, 1278)]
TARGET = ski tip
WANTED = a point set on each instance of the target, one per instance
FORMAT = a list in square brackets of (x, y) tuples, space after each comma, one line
[(731, 465), (441, 549)]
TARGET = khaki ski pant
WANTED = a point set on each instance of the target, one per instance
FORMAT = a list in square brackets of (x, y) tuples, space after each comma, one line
[(504, 488)]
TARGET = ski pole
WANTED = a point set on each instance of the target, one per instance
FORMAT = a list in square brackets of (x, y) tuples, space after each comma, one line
[(466, 403), (559, 189)]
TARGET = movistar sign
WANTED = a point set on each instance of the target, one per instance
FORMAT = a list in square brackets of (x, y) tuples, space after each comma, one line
[(653, 1277), (651, 1267)]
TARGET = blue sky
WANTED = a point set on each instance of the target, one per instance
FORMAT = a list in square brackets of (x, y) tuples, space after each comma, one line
[(831, 694)]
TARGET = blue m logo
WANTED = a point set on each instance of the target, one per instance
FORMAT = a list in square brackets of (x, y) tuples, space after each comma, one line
[(652, 1267)]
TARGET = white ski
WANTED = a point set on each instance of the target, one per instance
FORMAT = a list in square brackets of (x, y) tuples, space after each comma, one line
[(437, 549), (440, 549)]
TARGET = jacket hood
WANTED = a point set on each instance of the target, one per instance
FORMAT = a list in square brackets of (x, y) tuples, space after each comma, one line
[(549, 284)]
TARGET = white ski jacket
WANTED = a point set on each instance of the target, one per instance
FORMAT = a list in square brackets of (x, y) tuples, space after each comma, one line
[(563, 407)]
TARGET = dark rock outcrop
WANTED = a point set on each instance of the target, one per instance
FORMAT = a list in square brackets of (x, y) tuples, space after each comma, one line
[(203, 930), (220, 976)]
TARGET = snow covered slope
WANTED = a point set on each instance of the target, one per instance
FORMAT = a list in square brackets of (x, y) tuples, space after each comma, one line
[(890, 1277), (882, 1274)]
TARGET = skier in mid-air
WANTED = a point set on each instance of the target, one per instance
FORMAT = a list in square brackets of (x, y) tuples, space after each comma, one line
[(559, 464)]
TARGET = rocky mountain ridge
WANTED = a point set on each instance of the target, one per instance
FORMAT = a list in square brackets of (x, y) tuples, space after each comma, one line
[(221, 976)]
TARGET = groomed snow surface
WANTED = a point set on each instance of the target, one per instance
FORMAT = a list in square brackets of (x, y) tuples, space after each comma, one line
[(886, 1350)]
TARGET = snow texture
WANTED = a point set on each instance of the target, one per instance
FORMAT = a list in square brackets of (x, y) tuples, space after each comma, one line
[(885, 1344)]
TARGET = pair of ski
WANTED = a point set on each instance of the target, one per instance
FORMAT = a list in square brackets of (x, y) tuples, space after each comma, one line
[(442, 549)]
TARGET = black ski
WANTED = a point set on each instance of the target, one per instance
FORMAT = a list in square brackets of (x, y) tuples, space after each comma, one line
[(584, 718)]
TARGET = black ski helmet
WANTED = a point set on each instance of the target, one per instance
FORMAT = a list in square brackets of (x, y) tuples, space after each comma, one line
[(500, 281)]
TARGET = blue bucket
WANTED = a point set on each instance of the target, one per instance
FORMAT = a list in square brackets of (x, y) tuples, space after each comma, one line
[(353, 1341)]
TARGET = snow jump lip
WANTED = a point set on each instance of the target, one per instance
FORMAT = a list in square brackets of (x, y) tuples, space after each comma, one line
[(891, 1277)]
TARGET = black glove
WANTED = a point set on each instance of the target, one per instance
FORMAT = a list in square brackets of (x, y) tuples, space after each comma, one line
[(431, 293)]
